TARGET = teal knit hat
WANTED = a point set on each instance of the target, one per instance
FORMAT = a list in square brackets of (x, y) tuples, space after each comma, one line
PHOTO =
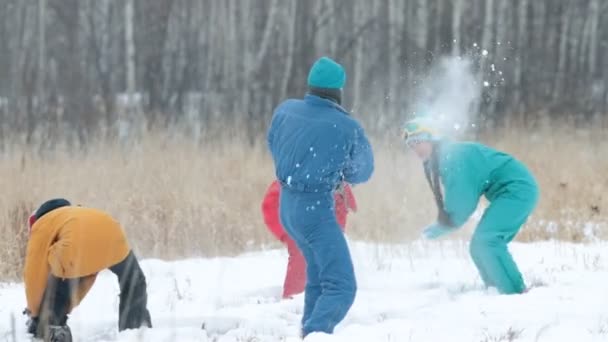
[(326, 73)]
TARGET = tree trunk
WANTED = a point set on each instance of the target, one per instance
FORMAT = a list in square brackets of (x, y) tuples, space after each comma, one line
[(456, 17), (41, 53)]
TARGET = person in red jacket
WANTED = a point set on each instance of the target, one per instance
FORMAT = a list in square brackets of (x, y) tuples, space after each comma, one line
[(295, 278)]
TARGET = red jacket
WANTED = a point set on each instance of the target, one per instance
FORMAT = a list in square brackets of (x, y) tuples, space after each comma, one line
[(270, 208)]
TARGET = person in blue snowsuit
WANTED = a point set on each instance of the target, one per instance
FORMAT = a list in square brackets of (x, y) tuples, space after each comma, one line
[(316, 147), (459, 173)]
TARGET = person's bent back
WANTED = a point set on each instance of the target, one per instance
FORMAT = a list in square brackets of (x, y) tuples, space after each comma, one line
[(67, 248)]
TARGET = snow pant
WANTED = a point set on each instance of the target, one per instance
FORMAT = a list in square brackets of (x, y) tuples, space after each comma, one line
[(295, 277), (310, 221), (132, 311), (57, 302), (61, 294), (499, 224)]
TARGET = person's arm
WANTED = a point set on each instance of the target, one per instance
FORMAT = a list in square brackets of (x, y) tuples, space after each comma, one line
[(460, 195), (36, 271), (361, 162), (275, 124)]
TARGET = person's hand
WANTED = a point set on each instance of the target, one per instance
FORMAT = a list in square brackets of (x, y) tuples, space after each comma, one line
[(31, 324), (436, 230)]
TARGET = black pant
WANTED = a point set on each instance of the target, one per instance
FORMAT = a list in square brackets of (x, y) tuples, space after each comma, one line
[(133, 312), (55, 304)]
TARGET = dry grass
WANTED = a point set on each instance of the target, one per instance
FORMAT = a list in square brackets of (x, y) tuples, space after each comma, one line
[(176, 198), (173, 198), (571, 167)]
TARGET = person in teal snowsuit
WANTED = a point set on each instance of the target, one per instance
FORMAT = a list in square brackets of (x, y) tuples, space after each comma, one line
[(459, 173)]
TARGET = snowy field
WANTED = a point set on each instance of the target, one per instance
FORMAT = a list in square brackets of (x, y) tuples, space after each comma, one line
[(424, 291)]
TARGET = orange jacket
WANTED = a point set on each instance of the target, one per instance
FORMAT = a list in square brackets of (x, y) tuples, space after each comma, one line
[(71, 242)]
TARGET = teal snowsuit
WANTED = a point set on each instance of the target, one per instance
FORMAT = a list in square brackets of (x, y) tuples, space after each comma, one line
[(469, 170)]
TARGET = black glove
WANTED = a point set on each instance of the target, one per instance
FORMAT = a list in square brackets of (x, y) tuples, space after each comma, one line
[(444, 219), (32, 325)]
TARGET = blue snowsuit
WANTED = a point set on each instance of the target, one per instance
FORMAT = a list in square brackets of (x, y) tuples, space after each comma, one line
[(315, 146), (469, 170)]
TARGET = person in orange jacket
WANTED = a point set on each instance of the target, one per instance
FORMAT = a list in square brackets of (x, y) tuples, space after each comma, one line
[(67, 247), (295, 277)]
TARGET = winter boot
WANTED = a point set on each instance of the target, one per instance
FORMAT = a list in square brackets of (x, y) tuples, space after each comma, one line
[(58, 333)]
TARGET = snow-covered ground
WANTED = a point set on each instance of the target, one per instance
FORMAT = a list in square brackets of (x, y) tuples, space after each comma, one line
[(423, 291)]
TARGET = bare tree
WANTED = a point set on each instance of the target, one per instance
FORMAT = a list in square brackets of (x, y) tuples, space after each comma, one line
[(66, 62), (130, 48), (153, 17), (41, 52)]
